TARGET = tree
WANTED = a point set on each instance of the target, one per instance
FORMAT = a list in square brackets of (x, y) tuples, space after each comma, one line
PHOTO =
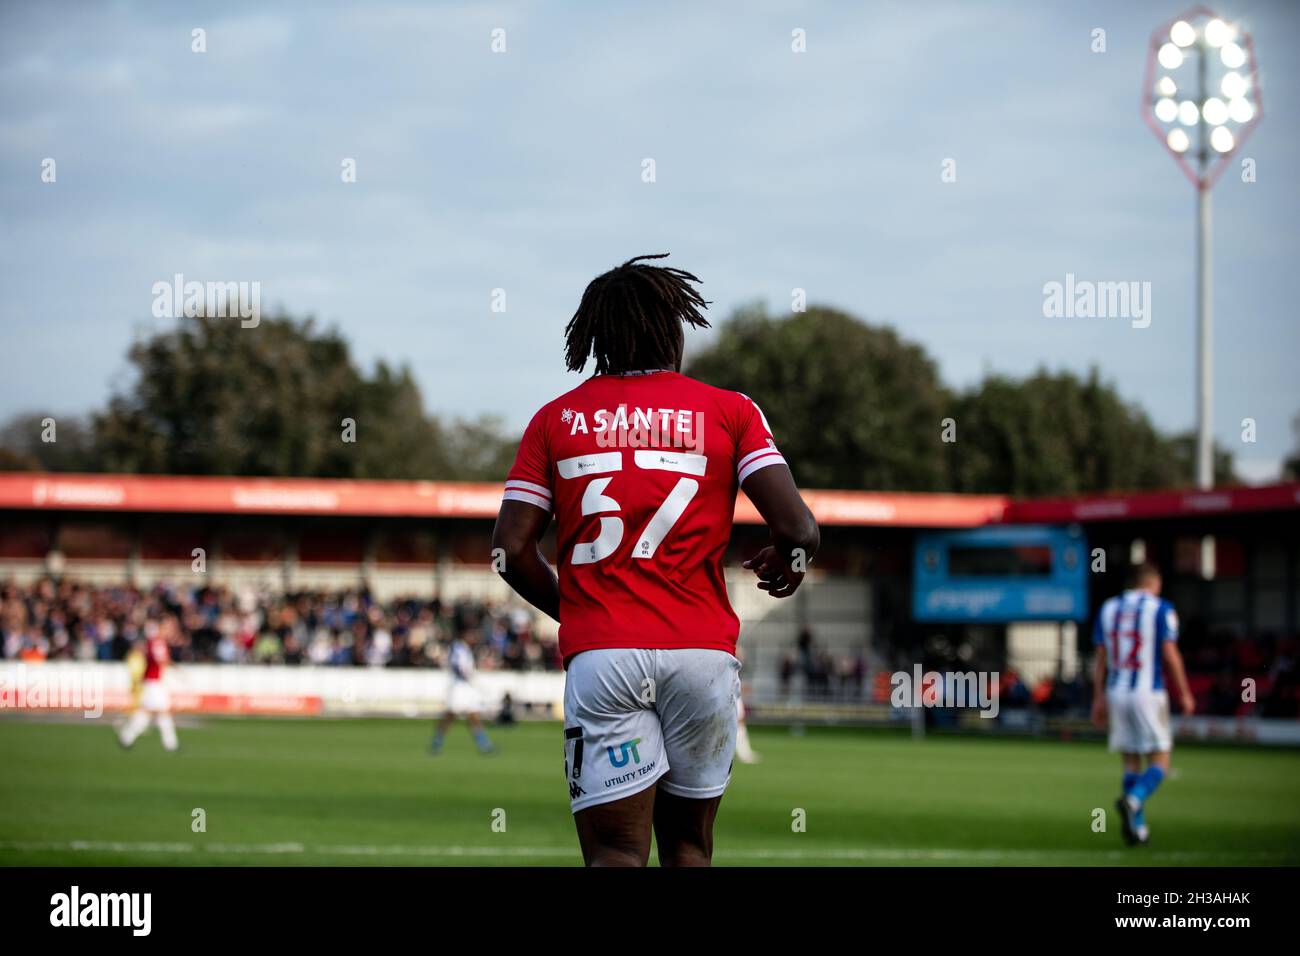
[(855, 406), (1059, 434), (1291, 464), (213, 398), (852, 405), (480, 449), (11, 460), (24, 445), (1184, 444)]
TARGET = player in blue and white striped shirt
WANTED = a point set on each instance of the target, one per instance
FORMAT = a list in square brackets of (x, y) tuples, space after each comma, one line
[(463, 698), (1136, 635)]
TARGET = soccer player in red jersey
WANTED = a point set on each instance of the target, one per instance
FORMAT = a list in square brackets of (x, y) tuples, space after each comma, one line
[(640, 466), (155, 702)]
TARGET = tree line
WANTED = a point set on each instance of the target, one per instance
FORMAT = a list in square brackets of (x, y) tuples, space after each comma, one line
[(852, 405)]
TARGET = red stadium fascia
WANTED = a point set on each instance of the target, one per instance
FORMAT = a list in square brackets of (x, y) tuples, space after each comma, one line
[(254, 496), (32, 491), (1155, 504)]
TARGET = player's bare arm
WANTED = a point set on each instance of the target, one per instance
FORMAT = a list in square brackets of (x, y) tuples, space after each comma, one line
[(780, 566), (518, 532), (1173, 661)]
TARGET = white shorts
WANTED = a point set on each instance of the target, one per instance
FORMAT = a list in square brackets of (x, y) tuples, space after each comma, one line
[(154, 697), (1139, 721), (463, 698), (634, 716)]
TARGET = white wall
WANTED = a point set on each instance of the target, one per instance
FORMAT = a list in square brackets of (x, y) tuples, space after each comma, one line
[(233, 688)]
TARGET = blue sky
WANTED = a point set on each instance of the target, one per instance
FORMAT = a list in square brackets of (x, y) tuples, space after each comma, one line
[(522, 170)]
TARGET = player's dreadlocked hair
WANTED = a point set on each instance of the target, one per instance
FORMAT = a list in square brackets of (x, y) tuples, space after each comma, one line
[(629, 318)]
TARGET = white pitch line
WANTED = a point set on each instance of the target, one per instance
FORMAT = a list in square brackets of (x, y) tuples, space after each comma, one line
[(860, 855)]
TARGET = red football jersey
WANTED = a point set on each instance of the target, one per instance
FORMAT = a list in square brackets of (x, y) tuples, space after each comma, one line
[(156, 657), (641, 470)]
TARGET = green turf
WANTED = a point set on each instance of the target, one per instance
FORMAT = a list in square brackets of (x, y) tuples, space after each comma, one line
[(367, 792)]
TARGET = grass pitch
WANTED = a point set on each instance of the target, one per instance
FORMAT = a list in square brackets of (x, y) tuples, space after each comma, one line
[(339, 792)]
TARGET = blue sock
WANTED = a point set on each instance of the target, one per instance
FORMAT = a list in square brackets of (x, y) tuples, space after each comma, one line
[(1130, 780), (437, 740), (1147, 784), (481, 739)]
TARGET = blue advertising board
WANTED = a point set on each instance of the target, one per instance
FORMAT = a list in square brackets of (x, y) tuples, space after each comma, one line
[(1000, 574)]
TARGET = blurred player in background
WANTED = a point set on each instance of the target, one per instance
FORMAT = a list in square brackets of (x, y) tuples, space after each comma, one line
[(463, 699), (1136, 634), (744, 752), (641, 466), (135, 666), (155, 703)]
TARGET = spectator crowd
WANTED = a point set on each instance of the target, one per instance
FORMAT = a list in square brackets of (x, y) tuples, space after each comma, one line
[(71, 620)]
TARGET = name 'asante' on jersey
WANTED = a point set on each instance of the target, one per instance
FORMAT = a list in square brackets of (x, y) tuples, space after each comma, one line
[(641, 471)]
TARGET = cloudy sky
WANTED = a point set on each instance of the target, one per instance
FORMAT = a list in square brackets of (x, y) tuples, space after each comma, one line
[(522, 170)]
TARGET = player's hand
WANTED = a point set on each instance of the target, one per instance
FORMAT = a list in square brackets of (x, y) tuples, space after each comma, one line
[(774, 575), (1099, 713), (1189, 703)]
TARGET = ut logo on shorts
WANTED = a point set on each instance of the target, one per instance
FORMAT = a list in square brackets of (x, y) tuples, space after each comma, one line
[(623, 750)]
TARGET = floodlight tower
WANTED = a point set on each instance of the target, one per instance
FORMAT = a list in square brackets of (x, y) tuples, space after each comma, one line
[(1201, 78)]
